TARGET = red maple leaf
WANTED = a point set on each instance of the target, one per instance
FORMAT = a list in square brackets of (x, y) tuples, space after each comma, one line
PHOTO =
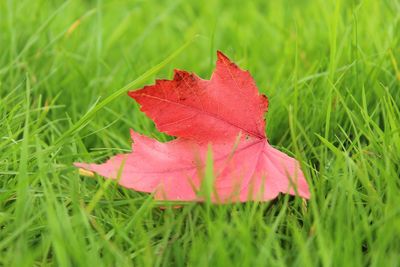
[(224, 115)]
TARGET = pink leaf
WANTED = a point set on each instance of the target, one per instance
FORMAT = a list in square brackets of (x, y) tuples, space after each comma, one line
[(225, 114)]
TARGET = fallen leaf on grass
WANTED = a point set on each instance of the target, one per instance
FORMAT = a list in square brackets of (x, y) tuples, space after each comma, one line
[(224, 115)]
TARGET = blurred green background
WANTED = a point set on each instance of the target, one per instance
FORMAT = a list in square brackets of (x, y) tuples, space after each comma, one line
[(331, 70)]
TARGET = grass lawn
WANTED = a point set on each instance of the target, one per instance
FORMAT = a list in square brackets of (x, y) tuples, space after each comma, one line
[(331, 70)]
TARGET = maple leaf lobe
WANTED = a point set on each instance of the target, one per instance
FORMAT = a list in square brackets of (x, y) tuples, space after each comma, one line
[(206, 110)]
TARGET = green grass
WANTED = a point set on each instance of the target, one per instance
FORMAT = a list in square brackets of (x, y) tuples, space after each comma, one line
[(330, 69)]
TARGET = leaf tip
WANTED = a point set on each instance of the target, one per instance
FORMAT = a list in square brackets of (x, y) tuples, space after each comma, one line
[(221, 56)]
